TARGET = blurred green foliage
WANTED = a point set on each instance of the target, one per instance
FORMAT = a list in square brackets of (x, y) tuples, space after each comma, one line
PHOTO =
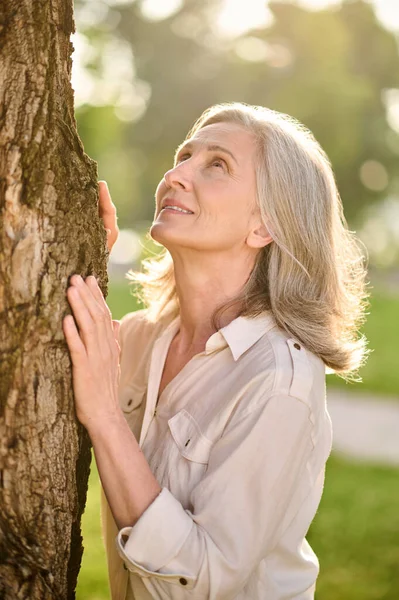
[(327, 68), (380, 375), (355, 532)]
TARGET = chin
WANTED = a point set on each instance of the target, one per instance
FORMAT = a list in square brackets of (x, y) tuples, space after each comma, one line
[(170, 237), (160, 234)]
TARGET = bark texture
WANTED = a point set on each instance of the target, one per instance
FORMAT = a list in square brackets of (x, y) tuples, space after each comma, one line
[(49, 230)]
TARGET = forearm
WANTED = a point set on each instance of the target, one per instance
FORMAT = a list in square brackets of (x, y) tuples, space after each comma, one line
[(237, 514), (129, 485)]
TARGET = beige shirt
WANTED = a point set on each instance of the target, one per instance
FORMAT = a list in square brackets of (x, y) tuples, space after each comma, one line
[(238, 443)]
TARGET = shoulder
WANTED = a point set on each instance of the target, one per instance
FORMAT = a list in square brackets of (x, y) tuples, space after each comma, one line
[(297, 371), (285, 381), (138, 325), (138, 333), (300, 377), (279, 364), (132, 321)]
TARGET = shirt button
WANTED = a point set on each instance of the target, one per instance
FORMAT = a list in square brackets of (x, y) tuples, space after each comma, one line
[(297, 346), (183, 581), (124, 566)]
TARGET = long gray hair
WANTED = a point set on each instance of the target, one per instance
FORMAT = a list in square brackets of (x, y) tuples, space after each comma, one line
[(313, 275)]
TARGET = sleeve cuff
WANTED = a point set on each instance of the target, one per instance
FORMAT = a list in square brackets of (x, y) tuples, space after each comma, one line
[(158, 535)]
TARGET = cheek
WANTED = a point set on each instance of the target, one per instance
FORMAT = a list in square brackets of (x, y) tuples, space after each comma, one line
[(160, 192), (228, 208)]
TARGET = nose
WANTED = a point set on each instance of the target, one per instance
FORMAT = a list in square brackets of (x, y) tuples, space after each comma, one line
[(178, 177)]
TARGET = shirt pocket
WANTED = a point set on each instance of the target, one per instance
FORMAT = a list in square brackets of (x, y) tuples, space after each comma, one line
[(190, 441), (131, 397)]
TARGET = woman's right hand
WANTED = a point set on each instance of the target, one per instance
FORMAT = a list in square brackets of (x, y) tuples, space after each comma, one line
[(107, 211)]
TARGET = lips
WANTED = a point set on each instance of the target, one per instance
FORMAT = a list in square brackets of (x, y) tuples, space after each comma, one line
[(170, 202)]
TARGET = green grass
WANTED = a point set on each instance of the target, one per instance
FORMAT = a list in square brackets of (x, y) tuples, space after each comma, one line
[(356, 531), (93, 578), (380, 374)]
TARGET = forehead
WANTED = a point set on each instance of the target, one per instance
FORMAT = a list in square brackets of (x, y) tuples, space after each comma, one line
[(228, 135)]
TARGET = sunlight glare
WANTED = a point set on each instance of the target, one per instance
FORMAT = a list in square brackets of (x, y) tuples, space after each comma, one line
[(391, 101), (318, 4), (388, 13), (236, 18), (154, 10)]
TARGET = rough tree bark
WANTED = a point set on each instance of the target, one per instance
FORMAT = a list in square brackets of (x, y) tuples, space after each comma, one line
[(49, 230)]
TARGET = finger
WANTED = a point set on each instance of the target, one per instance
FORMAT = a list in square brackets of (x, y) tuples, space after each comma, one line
[(111, 238), (87, 327), (106, 206), (104, 195), (92, 283), (97, 307), (107, 212), (75, 344), (98, 310)]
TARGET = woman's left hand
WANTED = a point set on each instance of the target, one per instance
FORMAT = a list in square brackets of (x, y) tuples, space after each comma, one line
[(94, 352)]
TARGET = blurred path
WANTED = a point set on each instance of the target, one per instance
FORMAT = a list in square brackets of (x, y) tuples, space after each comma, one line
[(364, 427)]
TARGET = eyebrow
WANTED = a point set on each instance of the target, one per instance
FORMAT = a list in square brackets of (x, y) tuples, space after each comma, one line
[(209, 147)]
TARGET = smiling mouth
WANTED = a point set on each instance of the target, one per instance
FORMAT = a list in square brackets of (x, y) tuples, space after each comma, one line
[(177, 209)]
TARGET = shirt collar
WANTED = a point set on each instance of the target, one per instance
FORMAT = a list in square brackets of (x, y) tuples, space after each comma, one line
[(240, 334), (243, 332)]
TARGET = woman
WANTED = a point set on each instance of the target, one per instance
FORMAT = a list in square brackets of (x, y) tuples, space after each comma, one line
[(212, 447)]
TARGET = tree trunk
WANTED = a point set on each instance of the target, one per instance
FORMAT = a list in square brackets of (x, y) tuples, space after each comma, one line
[(49, 230)]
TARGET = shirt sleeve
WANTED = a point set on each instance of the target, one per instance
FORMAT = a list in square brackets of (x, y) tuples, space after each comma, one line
[(256, 481)]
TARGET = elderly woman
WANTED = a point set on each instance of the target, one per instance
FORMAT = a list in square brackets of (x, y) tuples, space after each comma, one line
[(208, 418)]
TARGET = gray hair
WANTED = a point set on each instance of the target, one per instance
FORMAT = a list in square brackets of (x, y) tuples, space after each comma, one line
[(313, 275)]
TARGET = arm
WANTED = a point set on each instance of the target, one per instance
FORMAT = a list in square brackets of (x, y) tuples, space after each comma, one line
[(95, 367), (118, 455), (255, 484)]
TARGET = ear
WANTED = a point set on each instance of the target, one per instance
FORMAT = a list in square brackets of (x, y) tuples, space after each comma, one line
[(259, 237)]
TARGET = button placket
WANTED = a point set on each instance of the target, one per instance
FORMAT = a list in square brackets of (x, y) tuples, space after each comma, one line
[(157, 360)]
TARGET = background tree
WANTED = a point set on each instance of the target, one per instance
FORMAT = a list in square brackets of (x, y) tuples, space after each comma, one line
[(328, 68), (50, 229)]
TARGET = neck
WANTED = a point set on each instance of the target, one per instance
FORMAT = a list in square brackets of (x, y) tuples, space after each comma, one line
[(202, 286)]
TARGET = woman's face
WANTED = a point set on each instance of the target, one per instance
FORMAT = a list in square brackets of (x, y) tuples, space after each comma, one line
[(213, 181)]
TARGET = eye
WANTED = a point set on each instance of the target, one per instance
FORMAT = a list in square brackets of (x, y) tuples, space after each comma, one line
[(219, 163), (182, 157)]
